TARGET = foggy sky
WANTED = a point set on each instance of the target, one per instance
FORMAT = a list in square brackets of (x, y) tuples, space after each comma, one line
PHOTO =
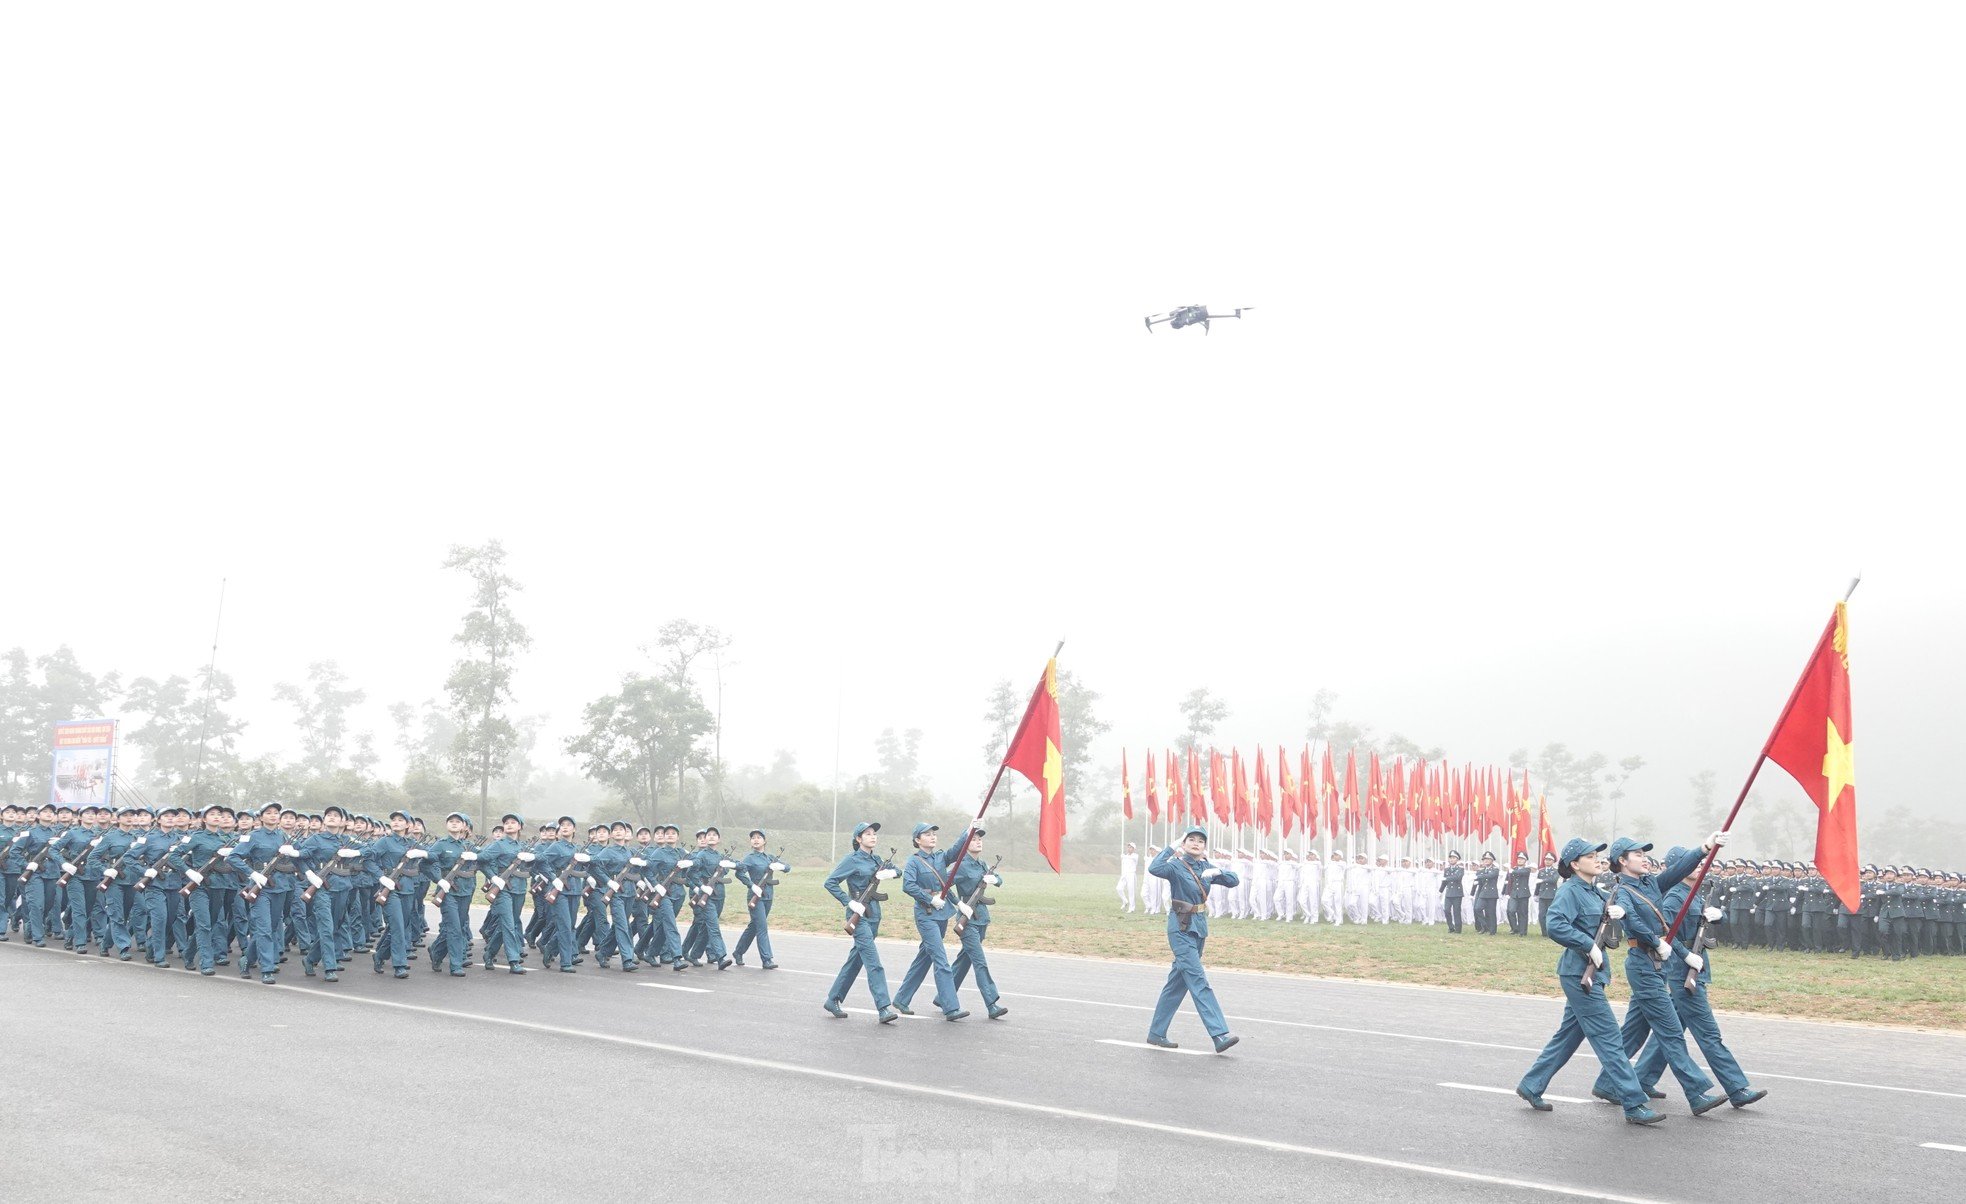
[(1594, 351)]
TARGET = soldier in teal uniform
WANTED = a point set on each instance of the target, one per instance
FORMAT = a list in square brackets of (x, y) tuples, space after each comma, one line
[(972, 878), (1189, 876), (1486, 891), (922, 881), (507, 866), (453, 867), (1576, 917), (1453, 888), (757, 872), (860, 870)]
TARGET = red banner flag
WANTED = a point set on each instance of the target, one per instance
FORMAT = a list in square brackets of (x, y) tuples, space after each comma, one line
[(1197, 802), (1351, 790), (1126, 788), (1218, 785), (1328, 792), (1306, 792), (1034, 753), (1153, 790), (1813, 742), (1265, 804), (1399, 795), (1545, 843), (1240, 782), (1373, 795)]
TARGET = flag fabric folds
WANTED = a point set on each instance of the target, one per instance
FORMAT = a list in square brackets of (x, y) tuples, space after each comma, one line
[(1813, 742), (1034, 753)]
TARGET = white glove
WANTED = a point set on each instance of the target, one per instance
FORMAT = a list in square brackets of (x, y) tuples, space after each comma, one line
[(108, 873), (1211, 872), (195, 876), (498, 882), (313, 879), (779, 867), (856, 907), (1695, 962), (467, 856), (726, 864), (613, 885), (687, 863), (527, 857), (758, 892), (149, 873), (227, 851), (388, 883), (661, 891), (993, 879), (1615, 912), (559, 885), (637, 862), (1712, 914), (68, 867), (968, 911), (287, 850), (417, 854), (582, 858), (259, 879), (350, 854), (935, 901), (1791, 911), (886, 875), (1665, 947), (1717, 839), (1597, 957)]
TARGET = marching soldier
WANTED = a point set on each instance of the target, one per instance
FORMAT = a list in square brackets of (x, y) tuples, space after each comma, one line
[(756, 872), (1189, 876), (854, 883), (706, 931), (1546, 883), (1485, 894), (922, 881), (1451, 880), (454, 876), (1518, 888), (506, 864), (1129, 876), (1640, 893), (1578, 917), (971, 879)]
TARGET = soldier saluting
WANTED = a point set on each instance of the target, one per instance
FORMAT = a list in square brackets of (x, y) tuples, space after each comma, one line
[(1189, 875)]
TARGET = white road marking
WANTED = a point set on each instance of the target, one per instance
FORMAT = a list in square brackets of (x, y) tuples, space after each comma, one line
[(1940, 1145), (873, 1012), (1561, 1099), (970, 1099), (670, 986), (1796, 1078), (1202, 1053)]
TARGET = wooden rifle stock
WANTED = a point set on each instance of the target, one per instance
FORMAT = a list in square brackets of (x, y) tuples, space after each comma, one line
[(771, 880), (144, 880), (1597, 939), (976, 897), (872, 893), (65, 875)]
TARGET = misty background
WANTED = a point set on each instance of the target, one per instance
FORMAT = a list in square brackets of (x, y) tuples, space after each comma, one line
[(1582, 377)]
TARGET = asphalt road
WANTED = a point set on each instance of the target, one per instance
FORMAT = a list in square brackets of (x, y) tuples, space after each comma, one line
[(599, 1085)]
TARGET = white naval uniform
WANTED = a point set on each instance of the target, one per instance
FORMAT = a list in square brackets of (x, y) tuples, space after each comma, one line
[(1335, 874), (1358, 892), (1381, 886), (1310, 878), (1246, 877), (1129, 880), (1262, 883), (1403, 894), (1284, 900), (1428, 884)]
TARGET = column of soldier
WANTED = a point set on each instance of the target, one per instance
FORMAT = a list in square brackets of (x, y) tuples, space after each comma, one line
[(1779, 905), (257, 885)]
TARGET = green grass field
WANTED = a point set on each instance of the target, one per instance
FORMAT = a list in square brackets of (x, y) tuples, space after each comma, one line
[(1079, 914)]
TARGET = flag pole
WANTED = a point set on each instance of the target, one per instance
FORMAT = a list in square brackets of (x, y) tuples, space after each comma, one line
[(1706, 862)]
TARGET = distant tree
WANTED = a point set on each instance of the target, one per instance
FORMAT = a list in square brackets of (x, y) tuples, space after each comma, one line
[(1614, 783), (186, 727), (1079, 726), (1005, 706), (22, 747), (634, 740), (480, 685), (1784, 829), (1706, 805), (1203, 712), (900, 758), (321, 714)]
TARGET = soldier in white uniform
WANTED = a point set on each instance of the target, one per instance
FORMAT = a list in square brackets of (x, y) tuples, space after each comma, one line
[(1283, 904), (1245, 866), (1219, 895), (1262, 885), (1358, 890), (1129, 876), (1335, 874), (1150, 889), (1403, 892), (1310, 880), (1426, 888), (1382, 890)]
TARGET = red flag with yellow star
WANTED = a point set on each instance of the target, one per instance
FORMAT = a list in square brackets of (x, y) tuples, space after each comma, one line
[(1265, 802), (1153, 790), (1034, 753), (1126, 788), (1813, 742)]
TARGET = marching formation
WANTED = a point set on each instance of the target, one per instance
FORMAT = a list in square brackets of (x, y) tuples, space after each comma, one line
[(334, 885), (1903, 912)]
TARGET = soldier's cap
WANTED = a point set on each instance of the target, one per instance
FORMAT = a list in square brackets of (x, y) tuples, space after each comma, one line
[(916, 835), (1454, 853), (565, 819), (1522, 856), (459, 815), (679, 831), (864, 826), (593, 828), (508, 817), (702, 832), (1194, 832), (619, 823), (712, 831), (404, 815), (1624, 845), (1549, 857), (644, 828), (759, 832), (264, 807), (1574, 848), (1488, 856), (211, 807)]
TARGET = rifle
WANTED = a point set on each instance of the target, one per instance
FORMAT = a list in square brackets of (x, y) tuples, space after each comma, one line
[(559, 881), (884, 871), (316, 881), (495, 884), (631, 876), (661, 889), (1701, 943), (708, 887), (752, 896), (448, 882), (976, 897), (69, 869), (196, 878), (151, 871), (251, 891), (110, 871), (387, 882), (34, 858), (1597, 939)]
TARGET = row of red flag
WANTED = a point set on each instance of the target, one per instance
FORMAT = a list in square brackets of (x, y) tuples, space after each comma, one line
[(1422, 799)]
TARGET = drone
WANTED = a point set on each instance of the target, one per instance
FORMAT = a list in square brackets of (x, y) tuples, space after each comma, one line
[(1190, 315)]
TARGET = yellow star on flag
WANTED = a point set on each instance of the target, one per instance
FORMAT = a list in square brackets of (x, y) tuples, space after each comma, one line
[(1054, 770), (1839, 766)]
